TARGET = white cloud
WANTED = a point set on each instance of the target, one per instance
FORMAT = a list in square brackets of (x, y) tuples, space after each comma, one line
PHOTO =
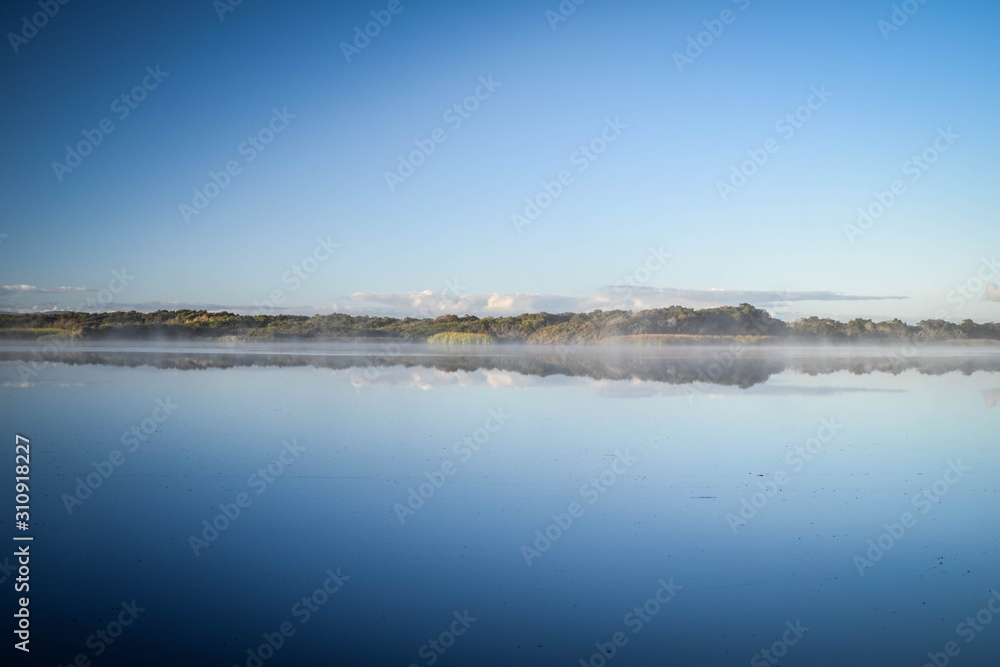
[(32, 288), (428, 304), (434, 304)]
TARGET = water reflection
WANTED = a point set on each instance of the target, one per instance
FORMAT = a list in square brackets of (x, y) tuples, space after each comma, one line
[(380, 428), (742, 368), (992, 398)]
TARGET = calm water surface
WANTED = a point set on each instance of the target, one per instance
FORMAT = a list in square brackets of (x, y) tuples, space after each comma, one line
[(509, 507)]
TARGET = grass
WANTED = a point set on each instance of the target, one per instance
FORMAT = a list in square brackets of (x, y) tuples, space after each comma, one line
[(455, 338)]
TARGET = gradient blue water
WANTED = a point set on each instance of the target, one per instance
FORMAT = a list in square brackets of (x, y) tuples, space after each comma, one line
[(698, 455)]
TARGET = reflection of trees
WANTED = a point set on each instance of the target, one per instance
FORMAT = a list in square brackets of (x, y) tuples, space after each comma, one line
[(604, 366), (894, 366), (709, 366)]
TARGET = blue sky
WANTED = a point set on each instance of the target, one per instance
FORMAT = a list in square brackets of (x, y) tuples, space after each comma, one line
[(311, 225)]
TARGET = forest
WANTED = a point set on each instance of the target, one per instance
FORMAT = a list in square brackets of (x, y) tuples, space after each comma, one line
[(675, 324)]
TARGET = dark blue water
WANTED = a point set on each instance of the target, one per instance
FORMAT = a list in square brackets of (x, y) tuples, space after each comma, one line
[(677, 523)]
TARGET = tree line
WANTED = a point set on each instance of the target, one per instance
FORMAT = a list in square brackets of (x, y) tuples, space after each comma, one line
[(592, 327)]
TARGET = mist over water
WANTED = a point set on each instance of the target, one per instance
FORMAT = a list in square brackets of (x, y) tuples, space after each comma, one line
[(736, 364)]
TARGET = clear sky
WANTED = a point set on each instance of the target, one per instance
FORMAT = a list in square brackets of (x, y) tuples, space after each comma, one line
[(313, 224)]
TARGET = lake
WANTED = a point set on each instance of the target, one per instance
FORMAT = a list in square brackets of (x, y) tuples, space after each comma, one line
[(408, 505)]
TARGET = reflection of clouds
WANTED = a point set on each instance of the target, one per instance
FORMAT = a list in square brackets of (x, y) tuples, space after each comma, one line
[(627, 389), (426, 379), (648, 388), (24, 385), (432, 378), (427, 367), (500, 380), (417, 382), (992, 398)]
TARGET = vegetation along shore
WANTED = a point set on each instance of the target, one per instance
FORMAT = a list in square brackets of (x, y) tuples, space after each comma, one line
[(675, 325)]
